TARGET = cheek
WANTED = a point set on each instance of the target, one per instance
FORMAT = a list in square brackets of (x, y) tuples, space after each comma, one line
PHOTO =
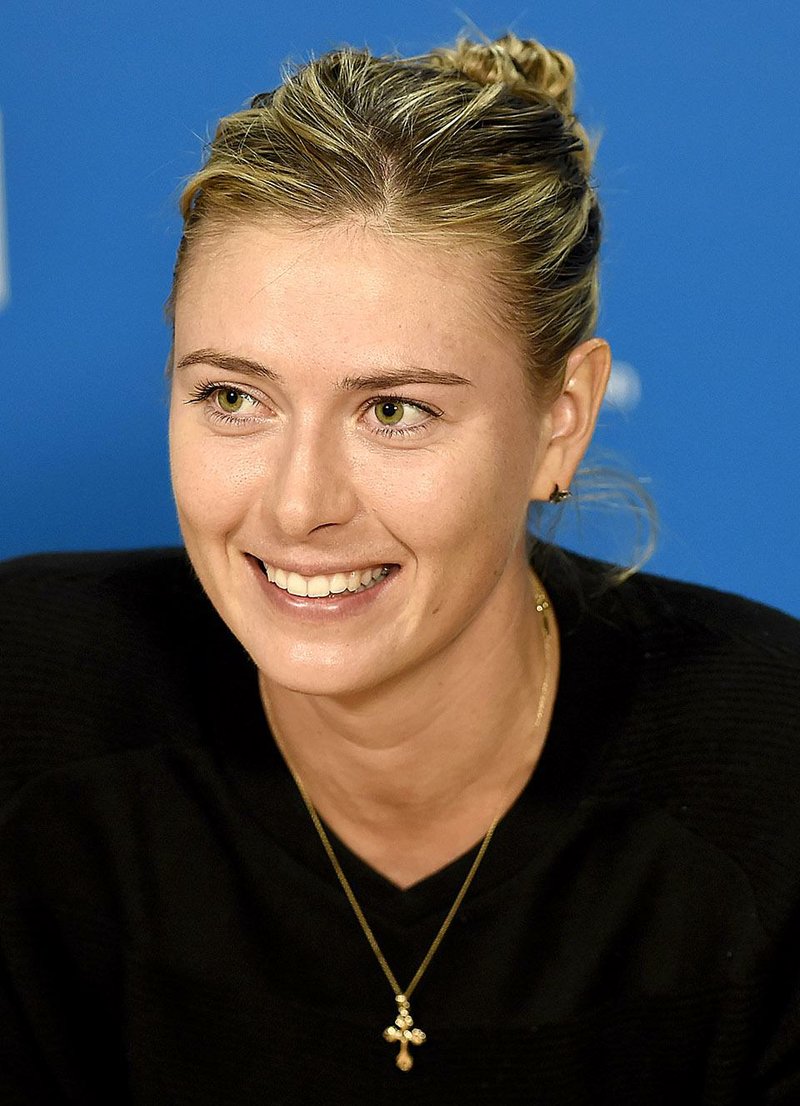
[(462, 512), (212, 486)]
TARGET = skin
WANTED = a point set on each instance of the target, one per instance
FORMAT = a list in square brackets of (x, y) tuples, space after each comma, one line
[(413, 723)]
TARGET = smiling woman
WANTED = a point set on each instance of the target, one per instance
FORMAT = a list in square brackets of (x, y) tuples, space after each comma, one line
[(263, 459), (362, 744)]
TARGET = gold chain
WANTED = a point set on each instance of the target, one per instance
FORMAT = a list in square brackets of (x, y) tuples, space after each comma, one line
[(402, 1031)]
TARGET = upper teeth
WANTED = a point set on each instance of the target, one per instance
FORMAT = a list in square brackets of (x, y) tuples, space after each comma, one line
[(318, 586)]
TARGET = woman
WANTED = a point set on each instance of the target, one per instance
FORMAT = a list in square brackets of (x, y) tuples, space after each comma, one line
[(369, 798)]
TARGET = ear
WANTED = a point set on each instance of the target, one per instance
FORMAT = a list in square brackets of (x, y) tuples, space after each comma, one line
[(569, 424)]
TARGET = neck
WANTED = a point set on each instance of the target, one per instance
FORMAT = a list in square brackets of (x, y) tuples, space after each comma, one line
[(445, 763)]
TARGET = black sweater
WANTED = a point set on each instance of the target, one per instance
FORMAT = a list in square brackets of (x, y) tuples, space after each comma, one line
[(171, 931)]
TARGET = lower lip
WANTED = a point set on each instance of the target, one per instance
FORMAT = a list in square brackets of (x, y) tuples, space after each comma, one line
[(332, 606)]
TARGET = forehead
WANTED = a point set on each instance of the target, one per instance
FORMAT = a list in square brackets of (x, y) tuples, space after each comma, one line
[(341, 294)]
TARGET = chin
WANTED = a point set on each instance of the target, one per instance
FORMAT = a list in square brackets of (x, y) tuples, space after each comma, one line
[(334, 680)]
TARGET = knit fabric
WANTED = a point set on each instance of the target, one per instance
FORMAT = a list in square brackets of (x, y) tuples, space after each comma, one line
[(171, 931)]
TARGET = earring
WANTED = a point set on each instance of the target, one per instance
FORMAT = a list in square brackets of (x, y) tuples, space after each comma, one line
[(558, 496)]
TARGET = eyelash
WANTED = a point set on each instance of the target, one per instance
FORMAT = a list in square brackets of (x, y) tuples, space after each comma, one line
[(204, 392)]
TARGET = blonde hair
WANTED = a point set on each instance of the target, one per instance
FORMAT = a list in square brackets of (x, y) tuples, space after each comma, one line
[(470, 146)]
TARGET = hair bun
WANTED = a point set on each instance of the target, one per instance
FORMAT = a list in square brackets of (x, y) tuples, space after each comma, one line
[(527, 68)]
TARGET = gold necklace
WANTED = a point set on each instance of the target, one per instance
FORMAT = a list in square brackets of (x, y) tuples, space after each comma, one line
[(403, 1031)]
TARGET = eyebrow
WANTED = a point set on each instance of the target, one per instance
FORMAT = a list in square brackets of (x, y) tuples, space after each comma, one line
[(387, 378)]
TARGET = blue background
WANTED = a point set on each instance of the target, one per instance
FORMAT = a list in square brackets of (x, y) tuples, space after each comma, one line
[(105, 107)]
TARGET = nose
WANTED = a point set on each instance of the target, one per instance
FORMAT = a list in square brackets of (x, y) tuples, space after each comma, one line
[(312, 481)]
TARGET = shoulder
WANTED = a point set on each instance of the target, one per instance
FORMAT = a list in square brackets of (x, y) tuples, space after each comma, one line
[(724, 661), (662, 605), (693, 669), (664, 615), (60, 606), (51, 571), (704, 689), (101, 652), (707, 660), (723, 668)]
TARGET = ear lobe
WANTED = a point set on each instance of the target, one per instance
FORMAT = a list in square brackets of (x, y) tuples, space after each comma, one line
[(571, 420)]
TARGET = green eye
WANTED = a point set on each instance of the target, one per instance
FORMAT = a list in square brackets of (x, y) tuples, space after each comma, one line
[(229, 400), (389, 413)]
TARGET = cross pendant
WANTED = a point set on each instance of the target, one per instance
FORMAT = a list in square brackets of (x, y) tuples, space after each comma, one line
[(404, 1034)]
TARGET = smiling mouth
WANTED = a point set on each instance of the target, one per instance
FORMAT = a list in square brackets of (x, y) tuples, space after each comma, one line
[(341, 585)]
